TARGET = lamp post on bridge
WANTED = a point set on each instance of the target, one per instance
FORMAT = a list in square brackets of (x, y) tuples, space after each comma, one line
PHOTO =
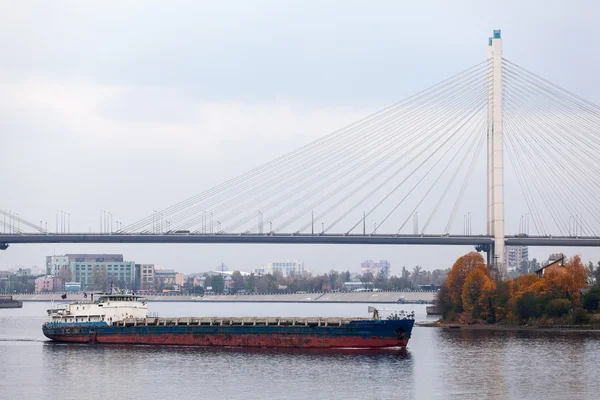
[(467, 224)]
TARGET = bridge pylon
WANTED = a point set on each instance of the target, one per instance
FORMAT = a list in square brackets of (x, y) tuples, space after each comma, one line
[(495, 165)]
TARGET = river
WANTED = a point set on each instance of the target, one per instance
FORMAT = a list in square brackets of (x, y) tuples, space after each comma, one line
[(438, 364)]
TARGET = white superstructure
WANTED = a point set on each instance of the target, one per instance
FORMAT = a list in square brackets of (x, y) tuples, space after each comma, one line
[(108, 308)]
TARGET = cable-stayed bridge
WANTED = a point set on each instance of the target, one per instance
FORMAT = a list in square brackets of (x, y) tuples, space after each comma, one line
[(406, 174)]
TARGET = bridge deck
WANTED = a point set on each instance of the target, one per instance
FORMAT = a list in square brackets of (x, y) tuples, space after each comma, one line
[(455, 240)]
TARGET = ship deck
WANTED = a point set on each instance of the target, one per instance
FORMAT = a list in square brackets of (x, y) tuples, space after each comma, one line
[(232, 321)]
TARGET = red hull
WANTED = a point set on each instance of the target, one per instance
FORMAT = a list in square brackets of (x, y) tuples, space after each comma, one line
[(283, 341)]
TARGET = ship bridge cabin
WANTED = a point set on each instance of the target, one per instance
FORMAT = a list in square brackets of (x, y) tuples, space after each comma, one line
[(109, 308)]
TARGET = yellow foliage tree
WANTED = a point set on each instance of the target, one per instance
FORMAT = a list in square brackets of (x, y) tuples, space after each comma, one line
[(476, 292), (458, 275)]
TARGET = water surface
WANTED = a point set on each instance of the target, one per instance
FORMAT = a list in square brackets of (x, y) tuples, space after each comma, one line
[(438, 364)]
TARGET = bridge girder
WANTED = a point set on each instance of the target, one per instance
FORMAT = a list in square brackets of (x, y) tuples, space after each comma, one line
[(249, 239), (482, 243)]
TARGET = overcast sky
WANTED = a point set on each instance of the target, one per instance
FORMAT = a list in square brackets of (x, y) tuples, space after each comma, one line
[(128, 106)]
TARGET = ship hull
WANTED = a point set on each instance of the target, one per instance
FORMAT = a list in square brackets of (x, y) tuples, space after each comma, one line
[(374, 334)]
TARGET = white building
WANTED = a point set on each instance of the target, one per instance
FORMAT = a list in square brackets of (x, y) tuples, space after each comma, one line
[(514, 255), (283, 267), (375, 267), (57, 264)]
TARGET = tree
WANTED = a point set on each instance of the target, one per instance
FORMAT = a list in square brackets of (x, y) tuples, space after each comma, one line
[(527, 306), (333, 278), (534, 265), (99, 278), (238, 280), (405, 277), (380, 281), (367, 279), (339, 284), (593, 275), (218, 283), (457, 276), (405, 273), (416, 275), (438, 276), (523, 268), (476, 292), (250, 282), (207, 281)]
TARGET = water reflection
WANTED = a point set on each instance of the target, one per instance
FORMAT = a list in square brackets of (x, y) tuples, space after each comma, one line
[(521, 364), (49, 346), (282, 373)]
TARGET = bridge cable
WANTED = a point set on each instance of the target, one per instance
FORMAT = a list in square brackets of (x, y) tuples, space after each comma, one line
[(463, 187), (282, 159)]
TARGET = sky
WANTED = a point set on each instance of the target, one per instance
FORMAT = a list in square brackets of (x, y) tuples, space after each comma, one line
[(130, 106)]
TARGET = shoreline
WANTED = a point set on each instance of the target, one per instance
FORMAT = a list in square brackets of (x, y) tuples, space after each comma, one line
[(250, 301), (514, 328), (347, 297)]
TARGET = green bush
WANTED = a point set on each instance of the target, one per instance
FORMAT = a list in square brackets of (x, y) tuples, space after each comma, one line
[(558, 307), (580, 316), (591, 300), (527, 306)]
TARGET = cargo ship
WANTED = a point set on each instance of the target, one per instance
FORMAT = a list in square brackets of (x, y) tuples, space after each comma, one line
[(8, 302), (123, 319)]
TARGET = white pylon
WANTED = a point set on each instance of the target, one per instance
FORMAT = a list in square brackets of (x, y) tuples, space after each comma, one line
[(496, 150), (490, 148)]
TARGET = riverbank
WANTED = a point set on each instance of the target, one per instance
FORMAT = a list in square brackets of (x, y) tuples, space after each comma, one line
[(516, 328), (351, 297)]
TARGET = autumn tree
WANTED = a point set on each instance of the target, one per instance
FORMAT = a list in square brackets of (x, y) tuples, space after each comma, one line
[(477, 291), (458, 275)]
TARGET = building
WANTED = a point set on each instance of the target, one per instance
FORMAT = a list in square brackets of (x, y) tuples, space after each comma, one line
[(284, 268), (145, 276), (96, 275), (165, 277), (555, 265), (73, 287), (58, 266), (515, 255), (375, 268), (350, 286), (262, 270), (48, 284), (93, 271)]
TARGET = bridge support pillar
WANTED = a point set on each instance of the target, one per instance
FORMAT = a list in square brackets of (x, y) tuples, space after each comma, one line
[(489, 251), (496, 152), (3, 246)]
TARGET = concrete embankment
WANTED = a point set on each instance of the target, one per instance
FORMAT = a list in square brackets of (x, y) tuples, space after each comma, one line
[(363, 297)]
